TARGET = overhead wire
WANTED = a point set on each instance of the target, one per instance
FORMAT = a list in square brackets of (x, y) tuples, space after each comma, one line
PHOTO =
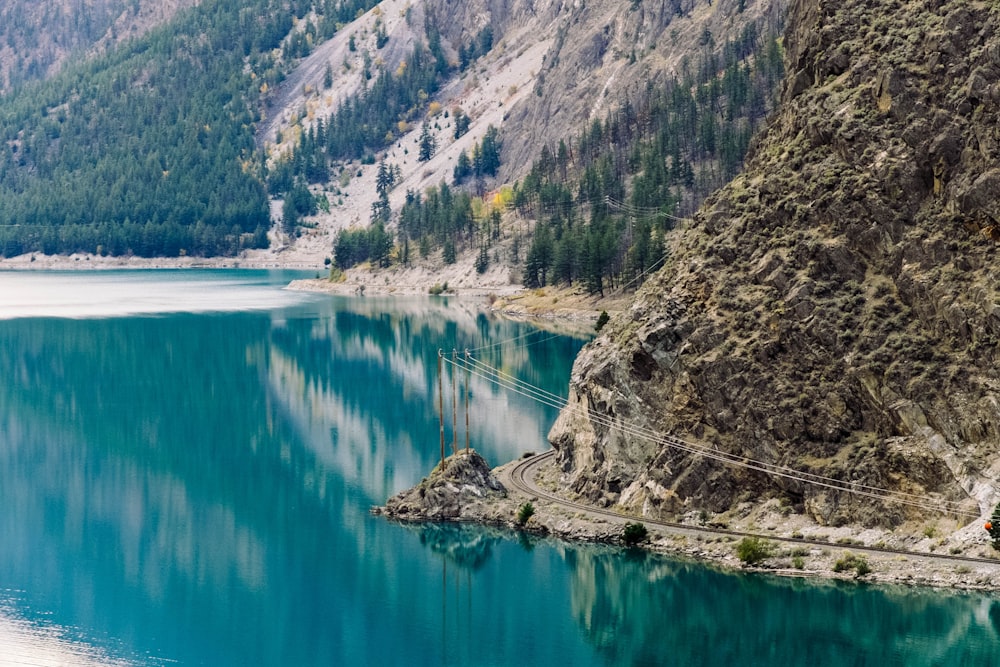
[(639, 211), (514, 339), (652, 267), (509, 382)]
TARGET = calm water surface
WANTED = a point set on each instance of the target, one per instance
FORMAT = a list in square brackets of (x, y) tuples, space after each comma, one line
[(187, 461)]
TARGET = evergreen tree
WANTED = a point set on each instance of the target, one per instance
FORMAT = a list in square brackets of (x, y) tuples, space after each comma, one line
[(483, 259), (463, 167), (427, 143), (539, 259), (462, 122), (449, 254), (487, 158)]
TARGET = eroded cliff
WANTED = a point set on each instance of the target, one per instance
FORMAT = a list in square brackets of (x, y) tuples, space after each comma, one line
[(834, 309)]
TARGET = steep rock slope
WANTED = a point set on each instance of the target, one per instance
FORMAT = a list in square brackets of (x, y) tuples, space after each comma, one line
[(834, 309), (555, 66)]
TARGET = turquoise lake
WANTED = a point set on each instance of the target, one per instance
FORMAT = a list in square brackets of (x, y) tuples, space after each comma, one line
[(188, 460)]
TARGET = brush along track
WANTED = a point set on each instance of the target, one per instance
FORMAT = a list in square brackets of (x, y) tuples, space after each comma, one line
[(521, 477)]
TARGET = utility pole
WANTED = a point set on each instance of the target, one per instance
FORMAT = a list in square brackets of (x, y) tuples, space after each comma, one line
[(467, 400), (441, 403), (454, 403)]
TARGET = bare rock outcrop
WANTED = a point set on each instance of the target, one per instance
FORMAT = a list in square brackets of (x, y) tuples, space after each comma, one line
[(835, 308), (459, 490)]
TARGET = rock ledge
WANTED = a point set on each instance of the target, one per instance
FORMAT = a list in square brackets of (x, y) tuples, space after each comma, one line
[(459, 491)]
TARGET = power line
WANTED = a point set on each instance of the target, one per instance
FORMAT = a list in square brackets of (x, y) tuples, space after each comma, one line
[(639, 211), (514, 339), (652, 267), (504, 380)]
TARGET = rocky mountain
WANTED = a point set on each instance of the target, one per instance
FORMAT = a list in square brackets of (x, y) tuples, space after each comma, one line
[(554, 67), (833, 310), (171, 144), (38, 36)]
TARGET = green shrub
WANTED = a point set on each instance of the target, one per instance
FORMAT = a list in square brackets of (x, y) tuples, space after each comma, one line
[(993, 528), (634, 533), (754, 550), (850, 561), (525, 512), (798, 562), (602, 320)]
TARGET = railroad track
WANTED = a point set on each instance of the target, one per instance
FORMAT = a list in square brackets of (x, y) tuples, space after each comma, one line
[(522, 478)]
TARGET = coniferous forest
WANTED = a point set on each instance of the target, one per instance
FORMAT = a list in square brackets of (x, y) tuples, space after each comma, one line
[(150, 150), (604, 201)]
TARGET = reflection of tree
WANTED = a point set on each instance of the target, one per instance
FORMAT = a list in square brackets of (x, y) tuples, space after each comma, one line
[(224, 464), (651, 611), (360, 385)]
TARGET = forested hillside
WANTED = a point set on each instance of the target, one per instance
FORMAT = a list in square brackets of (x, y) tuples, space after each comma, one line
[(38, 36), (177, 141), (149, 150), (595, 207)]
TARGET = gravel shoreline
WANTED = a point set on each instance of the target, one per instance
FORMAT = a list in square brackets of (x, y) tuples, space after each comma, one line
[(801, 548)]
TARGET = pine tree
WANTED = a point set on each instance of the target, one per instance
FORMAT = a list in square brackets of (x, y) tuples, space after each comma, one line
[(463, 167), (462, 122), (427, 143), (449, 253), (483, 260)]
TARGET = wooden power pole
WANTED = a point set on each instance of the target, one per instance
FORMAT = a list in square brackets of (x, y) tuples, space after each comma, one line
[(441, 403), (466, 401), (454, 403)]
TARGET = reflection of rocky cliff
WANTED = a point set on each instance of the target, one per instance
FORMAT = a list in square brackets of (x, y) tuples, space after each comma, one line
[(834, 308), (647, 610)]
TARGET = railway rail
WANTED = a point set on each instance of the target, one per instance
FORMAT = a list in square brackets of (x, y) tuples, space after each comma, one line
[(522, 478)]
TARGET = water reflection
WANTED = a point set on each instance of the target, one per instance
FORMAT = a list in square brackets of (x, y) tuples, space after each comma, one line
[(327, 373), (467, 547), (204, 480), (196, 487), (647, 610)]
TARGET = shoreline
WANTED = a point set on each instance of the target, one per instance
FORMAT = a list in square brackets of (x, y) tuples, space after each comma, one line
[(86, 262), (503, 295), (818, 547), (801, 548)]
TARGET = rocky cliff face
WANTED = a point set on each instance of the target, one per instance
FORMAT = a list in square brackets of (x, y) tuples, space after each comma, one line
[(835, 308), (603, 52)]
